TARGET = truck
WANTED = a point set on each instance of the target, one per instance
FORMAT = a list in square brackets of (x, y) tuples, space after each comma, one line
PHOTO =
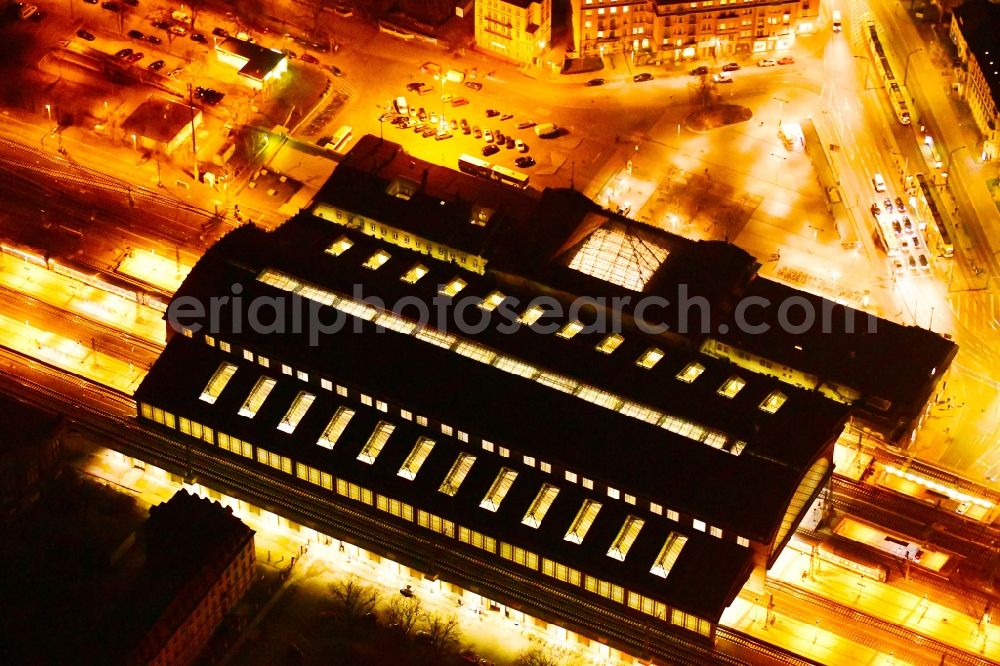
[(836, 22), (546, 130)]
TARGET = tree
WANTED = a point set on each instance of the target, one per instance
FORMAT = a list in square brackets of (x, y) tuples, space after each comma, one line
[(442, 632), (353, 598), (536, 656), (704, 91), (403, 613)]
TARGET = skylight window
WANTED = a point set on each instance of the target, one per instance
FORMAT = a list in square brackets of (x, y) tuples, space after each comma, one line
[(418, 271), (649, 358), (691, 372), (295, 413), (773, 402), (257, 397), (375, 443), (217, 382), (626, 537), (492, 300), (620, 256), (416, 459), (540, 506), (453, 287), (584, 519), (377, 260), (671, 550), (340, 246), (610, 343), (457, 474), (731, 387), (501, 485), (569, 330), (335, 428), (531, 315)]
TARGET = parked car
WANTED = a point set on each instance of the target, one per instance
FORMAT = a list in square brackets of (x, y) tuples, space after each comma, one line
[(178, 30), (731, 67), (441, 136), (492, 113), (459, 101), (907, 225), (198, 37), (311, 59), (526, 124), (153, 39), (506, 116), (131, 3), (521, 146), (477, 133), (290, 54), (786, 60), (524, 161), (156, 65), (475, 85), (124, 53), (220, 32), (509, 143), (900, 206), (766, 62), (595, 82), (699, 71), (91, 2), (465, 127), (644, 76), (887, 204), (453, 124), (83, 34), (336, 71), (414, 86), (111, 6), (488, 136), (407, 591), (490, 149), (135, 34), (723, 77), (499, 137), (447, 97), (162, 25), (136, 57), (897, 228)]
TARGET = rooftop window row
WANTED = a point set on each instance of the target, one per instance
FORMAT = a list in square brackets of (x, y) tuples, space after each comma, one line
[(341, 418)]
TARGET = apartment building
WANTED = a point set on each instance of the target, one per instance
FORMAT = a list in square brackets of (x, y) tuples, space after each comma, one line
[(515, 30), (974, 28)]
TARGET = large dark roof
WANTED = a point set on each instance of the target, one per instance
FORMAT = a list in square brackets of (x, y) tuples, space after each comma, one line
[(23, 425), (980, 23)]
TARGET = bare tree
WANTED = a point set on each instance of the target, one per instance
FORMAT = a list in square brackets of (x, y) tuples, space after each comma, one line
[(403, 613), (195, 6), (354, 598), (705, 91), (536, 656), (442, 632)]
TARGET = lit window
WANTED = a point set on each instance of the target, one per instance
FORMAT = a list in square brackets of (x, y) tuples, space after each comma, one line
[(571, 476), (626, 537), (673, 515), (303, 376), (422, 421), (503, 452), (286, 369), (446, 430), (341, 391), (406, 414), (731, 387), (462, 436), (587, 483), (257, 397), (540, 506), (415, 273), (295, 413), (584, 519), (375, 443), (453, 287), (698, 524), (671, 550), (773, 402), (209, 340), (691, 372), (569, 330), (335, 428), (417, 456), (630, 499), (529, 461), (457, 474), (742, 541), (545, 467), (491, 302), (613, 493), (377, 260), (218, 381), (487, 446), (501, 485), (531, 315), (610, 343), (340, 246), (656, 508), (247, 354), (263, 360), (224, 346), (381, 406), (366, 400), (649, 358), (326, 384), (715, 531)]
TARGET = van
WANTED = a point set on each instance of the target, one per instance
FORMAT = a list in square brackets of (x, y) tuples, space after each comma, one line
[(878, 182), (546, 130), (402, 108), (837, 25)]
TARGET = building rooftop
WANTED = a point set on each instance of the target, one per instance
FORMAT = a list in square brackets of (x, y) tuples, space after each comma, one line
[(159, 119), (260, 59), (980, 23), (24, 425)]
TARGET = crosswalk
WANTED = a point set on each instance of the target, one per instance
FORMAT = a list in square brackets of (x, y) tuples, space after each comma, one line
[(978, 310)]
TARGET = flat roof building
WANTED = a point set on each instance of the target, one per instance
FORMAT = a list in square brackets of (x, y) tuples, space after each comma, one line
[(502, 375), (161, 124), (257, 65)]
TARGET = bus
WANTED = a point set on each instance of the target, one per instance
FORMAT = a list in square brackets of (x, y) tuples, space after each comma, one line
[(340, 139), (895, 90), (938, 235), (475, 166), (510, 177), (886, 236)]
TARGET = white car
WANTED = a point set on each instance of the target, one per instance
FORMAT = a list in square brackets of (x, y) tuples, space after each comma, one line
[(723, 77), (521, 146), (488, 136), (766, 62)]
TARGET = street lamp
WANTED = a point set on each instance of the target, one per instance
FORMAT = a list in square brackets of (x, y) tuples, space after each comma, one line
[(906, 70), (781, 106), (48, 111), (135, 147), (868, 64)]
